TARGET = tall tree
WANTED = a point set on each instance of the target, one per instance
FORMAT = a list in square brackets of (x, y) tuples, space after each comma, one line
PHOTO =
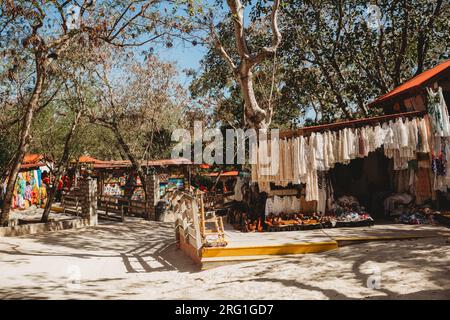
[(242, 69), (34, 35), (140, 103), (335, 57)]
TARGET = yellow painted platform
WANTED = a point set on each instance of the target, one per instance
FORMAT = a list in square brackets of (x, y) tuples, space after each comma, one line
[(290, 248), (255, 246)]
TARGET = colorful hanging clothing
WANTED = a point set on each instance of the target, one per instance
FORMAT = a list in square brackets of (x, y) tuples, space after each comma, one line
[(437, 109)]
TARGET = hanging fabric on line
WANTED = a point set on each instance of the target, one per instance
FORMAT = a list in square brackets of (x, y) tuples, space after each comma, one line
[(29, 190), (301, 158)]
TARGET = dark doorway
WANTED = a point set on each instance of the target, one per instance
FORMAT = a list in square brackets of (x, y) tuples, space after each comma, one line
[(369, 179)]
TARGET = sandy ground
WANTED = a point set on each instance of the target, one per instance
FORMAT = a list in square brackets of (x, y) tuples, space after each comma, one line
[(34, 213), (138, 259)]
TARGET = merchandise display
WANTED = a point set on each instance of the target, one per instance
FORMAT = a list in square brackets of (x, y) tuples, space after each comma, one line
[(114, 185), (394, 204), (347, 212), (29, 190), (293, 221), (289, 213), (417, 215), (439, 118), (306, 160)]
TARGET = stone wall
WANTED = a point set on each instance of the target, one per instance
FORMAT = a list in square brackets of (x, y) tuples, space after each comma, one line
[(88, 190), (152, 186)]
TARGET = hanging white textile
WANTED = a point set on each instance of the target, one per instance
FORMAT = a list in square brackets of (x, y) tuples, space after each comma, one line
[(301, 157)]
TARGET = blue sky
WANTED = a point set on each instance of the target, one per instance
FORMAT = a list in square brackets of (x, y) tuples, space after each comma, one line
[(187, 56), (184, 55)]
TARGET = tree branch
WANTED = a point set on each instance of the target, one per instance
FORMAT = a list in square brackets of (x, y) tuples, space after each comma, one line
[(276, 37), (237, 12), (219, 46), (42, 106)]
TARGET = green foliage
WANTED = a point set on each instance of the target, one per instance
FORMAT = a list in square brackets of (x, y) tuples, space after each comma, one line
[(333, 60), (6, 151)]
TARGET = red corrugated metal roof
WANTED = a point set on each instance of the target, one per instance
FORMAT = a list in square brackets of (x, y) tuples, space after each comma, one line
[(415, 83), (32, 158), (31, 165), (233, 173), (87, 159), (150, 163)]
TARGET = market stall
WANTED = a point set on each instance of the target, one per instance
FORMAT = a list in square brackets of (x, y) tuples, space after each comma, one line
[(30, 189), (116, 178), (344, 174), (429, 91)]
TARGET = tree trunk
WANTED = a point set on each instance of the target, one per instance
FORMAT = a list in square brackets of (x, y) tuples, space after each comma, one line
[(50, 197), (24, 140), (134, 162), (254, 116), (62, 166)]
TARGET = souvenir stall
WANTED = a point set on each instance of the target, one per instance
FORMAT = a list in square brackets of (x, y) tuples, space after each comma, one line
[(113, 183), (218, 186), (429, 91), (345, 174), (117, 179), (169, 183), (334, 175), (30, 189)]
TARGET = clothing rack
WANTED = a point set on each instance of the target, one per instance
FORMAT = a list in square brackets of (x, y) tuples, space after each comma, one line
[(352, 123)]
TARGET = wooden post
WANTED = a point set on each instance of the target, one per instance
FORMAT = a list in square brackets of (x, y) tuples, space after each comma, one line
[(152, 186), (202, 217), (89, 205), (222, 231)]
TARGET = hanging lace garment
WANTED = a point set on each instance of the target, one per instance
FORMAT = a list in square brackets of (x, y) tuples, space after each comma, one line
[(318, 158), (312, 192), (326, 163), (296, 161), (321, 192), (288, 171), (300, 158), (330, 149), (437, 109)]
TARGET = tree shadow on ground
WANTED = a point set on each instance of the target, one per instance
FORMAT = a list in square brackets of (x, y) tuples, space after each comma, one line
[(429, 257), (139, 240)]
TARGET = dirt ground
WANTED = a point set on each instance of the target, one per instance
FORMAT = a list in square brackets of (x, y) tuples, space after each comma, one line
[(138, 260)]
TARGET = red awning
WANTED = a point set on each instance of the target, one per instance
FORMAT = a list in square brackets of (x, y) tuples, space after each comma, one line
[(31, 165), (415, 84), (151, 163), (233, 173), (32, 158), (87, 159)]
